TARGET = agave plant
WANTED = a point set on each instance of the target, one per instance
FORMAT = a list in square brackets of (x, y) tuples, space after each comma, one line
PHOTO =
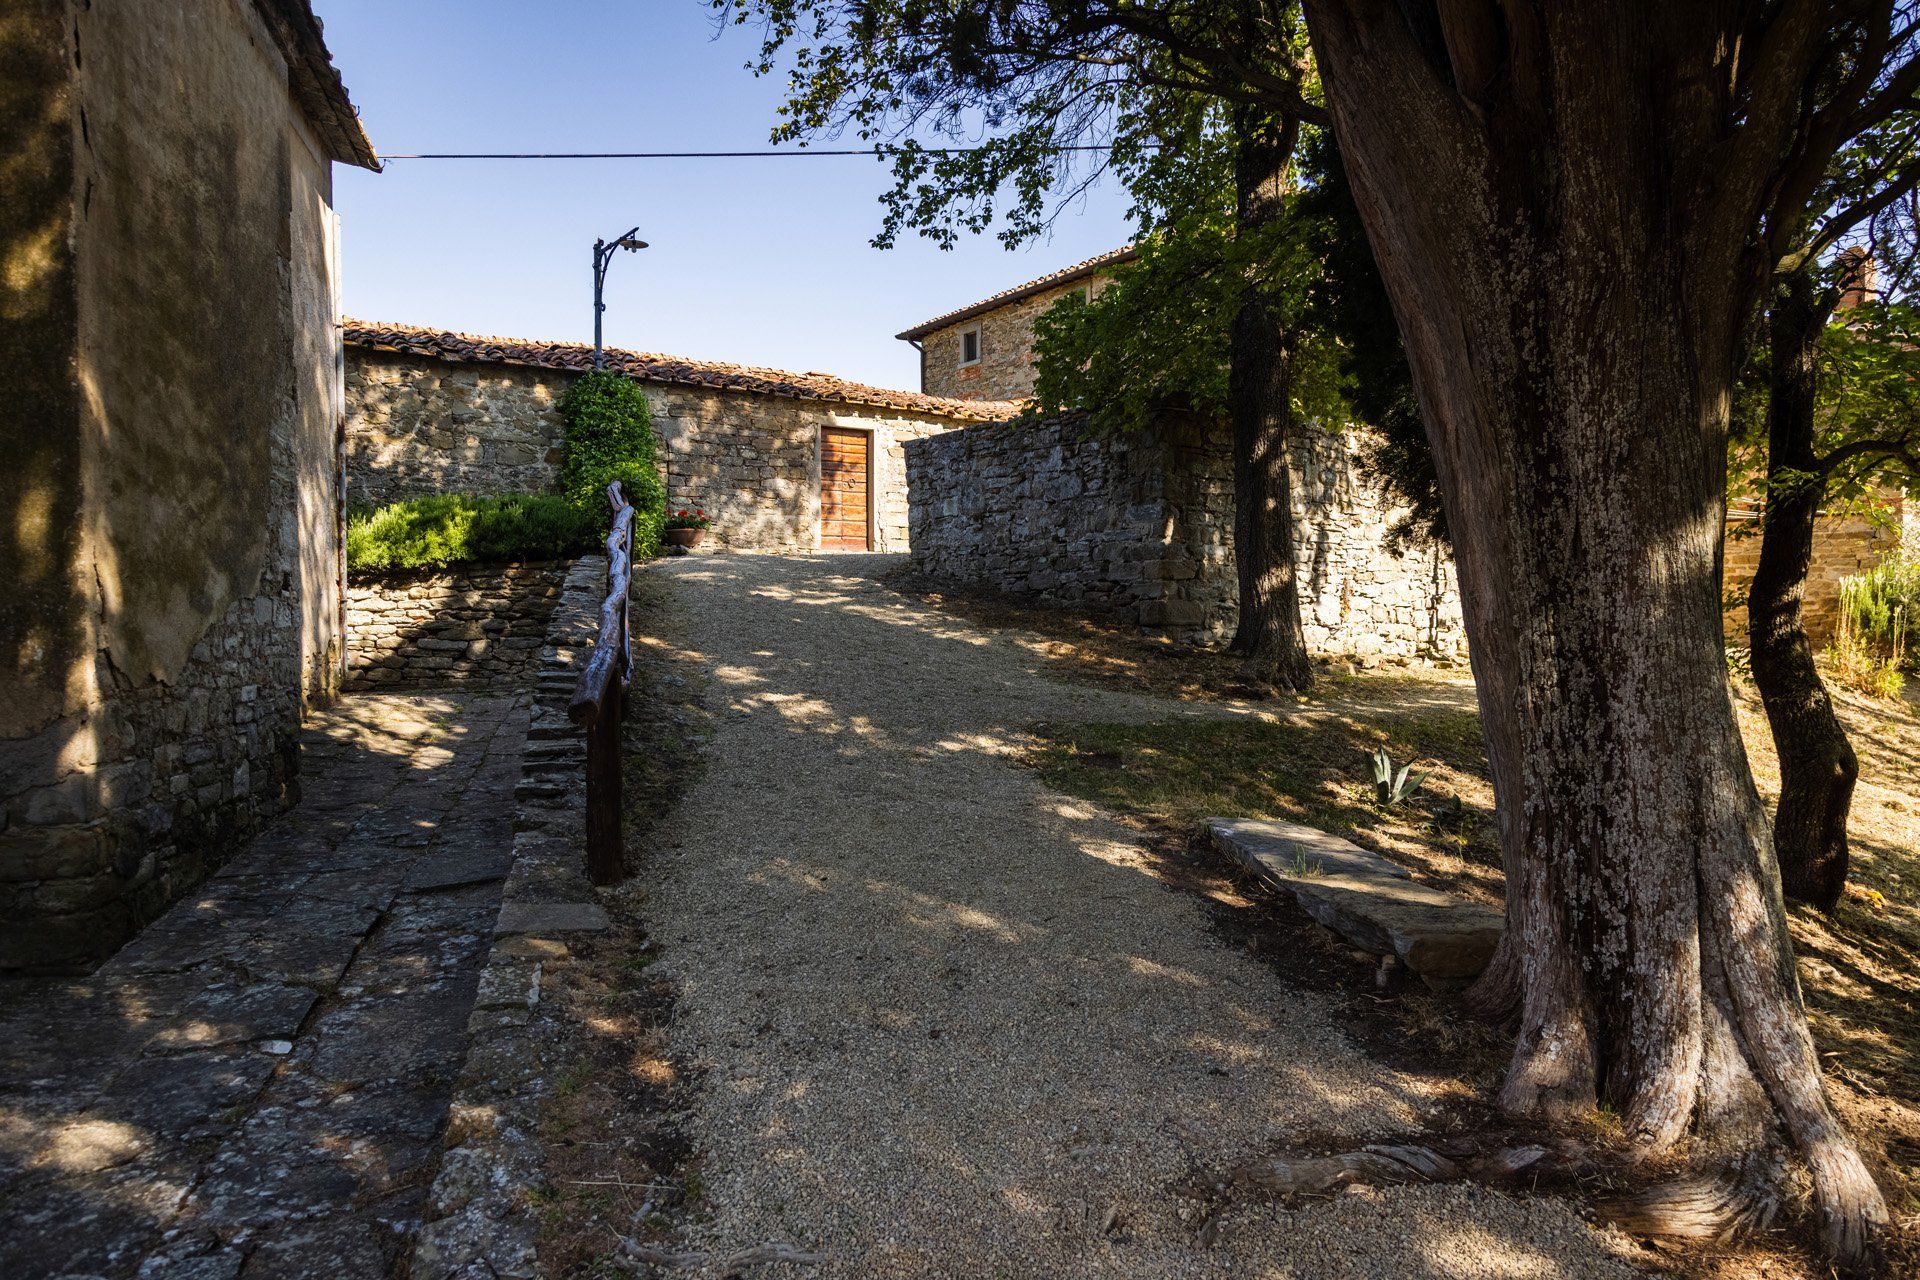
[(1391, 787)]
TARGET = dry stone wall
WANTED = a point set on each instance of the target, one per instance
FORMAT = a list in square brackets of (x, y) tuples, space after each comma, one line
[(1142, 526), (467, 622), (417, 426)]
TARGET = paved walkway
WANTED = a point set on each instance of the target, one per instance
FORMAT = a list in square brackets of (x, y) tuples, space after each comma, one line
[(255, 1086), (947, 1023)]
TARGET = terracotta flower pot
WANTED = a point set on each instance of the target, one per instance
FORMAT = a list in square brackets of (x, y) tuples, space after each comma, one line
[(685, 537)]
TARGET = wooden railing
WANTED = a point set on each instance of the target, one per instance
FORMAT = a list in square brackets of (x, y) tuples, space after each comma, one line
[(600, 701)]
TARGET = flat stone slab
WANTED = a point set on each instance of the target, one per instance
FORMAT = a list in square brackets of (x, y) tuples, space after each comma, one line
[(1366, 899), (257, 1085), (544, 918)]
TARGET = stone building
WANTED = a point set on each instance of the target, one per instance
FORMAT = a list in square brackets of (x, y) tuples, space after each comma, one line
[(170, 374), (967, 532), (433, 412), (984, 351)]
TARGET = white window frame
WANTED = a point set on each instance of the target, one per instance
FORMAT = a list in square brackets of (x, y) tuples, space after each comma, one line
[(979, 346)]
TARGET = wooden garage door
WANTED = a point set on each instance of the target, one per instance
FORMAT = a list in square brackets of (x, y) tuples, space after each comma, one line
[(843, 489)]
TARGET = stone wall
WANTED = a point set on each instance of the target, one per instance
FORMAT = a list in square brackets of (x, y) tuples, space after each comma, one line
[(468, 622), (172, 560), (1005, 368), (417, 425), (1143, 527)]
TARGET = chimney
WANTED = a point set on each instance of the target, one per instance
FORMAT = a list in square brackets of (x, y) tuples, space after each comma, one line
[(1858, 274)]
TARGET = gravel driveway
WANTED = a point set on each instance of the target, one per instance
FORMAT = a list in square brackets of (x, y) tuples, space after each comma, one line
[(947, 1022)]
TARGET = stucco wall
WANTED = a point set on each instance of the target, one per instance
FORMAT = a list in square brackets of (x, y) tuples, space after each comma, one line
[(1143, 526), (417, 425), (1005, 371), (192, 589)]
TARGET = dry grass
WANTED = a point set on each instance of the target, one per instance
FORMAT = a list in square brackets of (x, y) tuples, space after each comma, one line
[(1860, 967)]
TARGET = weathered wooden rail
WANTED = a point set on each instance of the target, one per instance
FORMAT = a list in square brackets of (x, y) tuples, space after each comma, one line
[(600, 701)]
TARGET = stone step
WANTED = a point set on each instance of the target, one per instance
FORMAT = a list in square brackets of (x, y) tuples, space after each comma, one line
[(1366, 899)]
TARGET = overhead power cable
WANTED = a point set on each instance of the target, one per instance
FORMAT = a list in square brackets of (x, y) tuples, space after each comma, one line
[(709, 155)]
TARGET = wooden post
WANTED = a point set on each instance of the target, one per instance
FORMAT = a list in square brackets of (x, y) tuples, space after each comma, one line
[(600, 702)]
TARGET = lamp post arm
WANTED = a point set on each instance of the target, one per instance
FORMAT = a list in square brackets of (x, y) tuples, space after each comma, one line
[(603, 251)]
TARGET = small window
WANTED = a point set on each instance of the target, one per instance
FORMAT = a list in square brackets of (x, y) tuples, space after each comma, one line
[(970, 345)]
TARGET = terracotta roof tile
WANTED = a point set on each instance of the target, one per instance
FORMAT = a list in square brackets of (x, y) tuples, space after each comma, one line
[(1065, 275), (315, 82), (672, 370)]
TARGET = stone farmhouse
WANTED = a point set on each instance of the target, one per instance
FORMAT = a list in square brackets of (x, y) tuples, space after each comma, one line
[(171, 377), (984, 351), (1144, 527), (435, 412)]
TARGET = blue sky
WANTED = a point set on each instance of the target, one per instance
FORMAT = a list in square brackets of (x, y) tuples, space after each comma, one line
[(756, 261)]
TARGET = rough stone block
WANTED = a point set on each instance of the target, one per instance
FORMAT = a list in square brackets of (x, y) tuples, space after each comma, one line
[(1366, 899), (543, 918)]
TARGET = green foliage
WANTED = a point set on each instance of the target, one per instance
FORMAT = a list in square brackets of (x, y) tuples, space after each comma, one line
[(423, 533), (1878, 610), (610, 437), (1883, 603), (1869, 414), (1389, 787), (1158, 334)]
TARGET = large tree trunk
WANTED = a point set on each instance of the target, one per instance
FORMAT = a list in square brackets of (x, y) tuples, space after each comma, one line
[(1260, 362), (1564, 231), (1817, 764)]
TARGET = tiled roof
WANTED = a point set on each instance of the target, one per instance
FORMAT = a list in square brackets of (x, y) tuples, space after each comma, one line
[(315, 82), (673, 370), (1066, 275)]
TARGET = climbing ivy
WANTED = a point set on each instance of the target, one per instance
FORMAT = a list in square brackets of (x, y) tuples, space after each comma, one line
[(610, 437)]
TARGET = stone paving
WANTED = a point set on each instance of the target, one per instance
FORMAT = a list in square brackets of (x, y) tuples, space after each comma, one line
[(257, 1085)]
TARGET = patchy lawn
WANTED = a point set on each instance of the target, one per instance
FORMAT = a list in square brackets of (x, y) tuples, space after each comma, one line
[(1311, 766), (1307, 760)]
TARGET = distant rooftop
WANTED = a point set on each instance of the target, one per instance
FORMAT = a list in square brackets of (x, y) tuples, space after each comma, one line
[(652, 367), (1066, 275)]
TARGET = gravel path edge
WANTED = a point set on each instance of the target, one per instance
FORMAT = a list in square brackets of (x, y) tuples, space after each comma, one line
[(482, 1215)]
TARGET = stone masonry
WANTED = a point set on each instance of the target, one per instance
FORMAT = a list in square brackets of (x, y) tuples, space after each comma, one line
[(418, 425), (1143, 526), (1005, 368), (1844, 543), (168, 465), (480, 622), (257, 1087), (1004, 323)]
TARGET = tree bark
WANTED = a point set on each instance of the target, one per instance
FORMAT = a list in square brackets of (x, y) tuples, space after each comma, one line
[(1817, 764), (1260, 367), (1562, 201)]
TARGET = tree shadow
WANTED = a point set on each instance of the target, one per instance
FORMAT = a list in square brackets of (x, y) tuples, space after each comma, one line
[(260, 1079)]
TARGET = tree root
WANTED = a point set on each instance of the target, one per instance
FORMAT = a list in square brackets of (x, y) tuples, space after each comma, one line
[(1385, 1164), (760, 1255), (1697, 1208)]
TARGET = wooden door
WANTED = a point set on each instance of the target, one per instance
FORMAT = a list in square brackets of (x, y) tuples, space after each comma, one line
[(844, 488)]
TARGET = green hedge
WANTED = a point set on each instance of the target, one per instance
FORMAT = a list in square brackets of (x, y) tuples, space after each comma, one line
[(610, 437), (428, 533)]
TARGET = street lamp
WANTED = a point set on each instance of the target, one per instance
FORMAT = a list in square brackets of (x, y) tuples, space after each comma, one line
[(602, 255)]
